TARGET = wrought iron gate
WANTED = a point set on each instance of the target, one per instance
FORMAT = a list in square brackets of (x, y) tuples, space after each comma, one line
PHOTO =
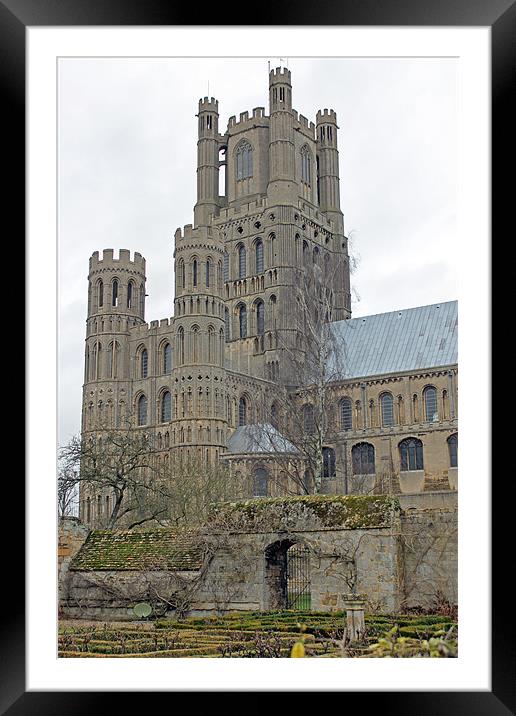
[(298, 578)]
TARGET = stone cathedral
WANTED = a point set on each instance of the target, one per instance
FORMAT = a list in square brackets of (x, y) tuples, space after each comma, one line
[(201, 381)]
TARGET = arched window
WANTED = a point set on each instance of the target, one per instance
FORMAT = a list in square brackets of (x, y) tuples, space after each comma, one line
[(181, 338), (227, 325), (211, 344), (242, 319), (411, 454), (194, 272), (452, 449), (260, 318), (272, 250), (308, 419), (244, 161), (166, 407), (142, 410), (142, 299), (362, 458), (242, 411), (208, 271), (226, 266), (241, 262), (130, 287), (328, 462), (306, 166), (167, 358), (195, 344), (346, 419), (144, 358), (114, 359), (387, 410), (181, 273), (260, 480), (114, 293), (259, 256), (100, 294), (97, 361), (430, 401)]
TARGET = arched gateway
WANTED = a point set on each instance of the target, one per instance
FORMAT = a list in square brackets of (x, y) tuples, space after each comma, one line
[(287, 575)]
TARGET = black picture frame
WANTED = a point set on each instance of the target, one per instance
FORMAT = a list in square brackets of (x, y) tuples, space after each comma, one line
[(500, 15)]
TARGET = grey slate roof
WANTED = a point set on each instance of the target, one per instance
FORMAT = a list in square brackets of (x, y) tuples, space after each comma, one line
[(259, 439), (395, 342)]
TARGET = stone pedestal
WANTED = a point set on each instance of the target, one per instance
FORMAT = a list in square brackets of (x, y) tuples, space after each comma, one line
[(355, 616)]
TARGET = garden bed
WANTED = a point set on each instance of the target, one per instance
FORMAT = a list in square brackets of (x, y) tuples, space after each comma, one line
[(259, 635)]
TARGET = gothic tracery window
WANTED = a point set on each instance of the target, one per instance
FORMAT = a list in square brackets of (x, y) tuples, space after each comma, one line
[(244, 161), (411, 454), (452, 449), (306, 166), (362, 458)]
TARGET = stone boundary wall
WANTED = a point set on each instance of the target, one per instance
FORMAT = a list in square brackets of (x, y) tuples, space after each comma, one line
[(410, 561)]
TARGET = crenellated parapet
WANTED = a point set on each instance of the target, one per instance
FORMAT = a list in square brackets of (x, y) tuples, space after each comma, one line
[(280, 75), (144, 330), (303, 125), (326, 116), (116, 284), (123, 261), (245, 122)]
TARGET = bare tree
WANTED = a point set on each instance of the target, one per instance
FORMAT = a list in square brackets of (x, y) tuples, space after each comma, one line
[(314, 355), (118, 464), (193, 486), (143, 482), (67, 492)]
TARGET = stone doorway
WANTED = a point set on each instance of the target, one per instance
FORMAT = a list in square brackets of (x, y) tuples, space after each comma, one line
[(287, 576)]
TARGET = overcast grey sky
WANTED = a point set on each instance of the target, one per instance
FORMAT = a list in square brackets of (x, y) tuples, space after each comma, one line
[(127, 160)]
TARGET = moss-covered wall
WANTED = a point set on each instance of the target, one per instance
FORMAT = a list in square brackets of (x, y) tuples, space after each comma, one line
[(364, 544), (307, 512)]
